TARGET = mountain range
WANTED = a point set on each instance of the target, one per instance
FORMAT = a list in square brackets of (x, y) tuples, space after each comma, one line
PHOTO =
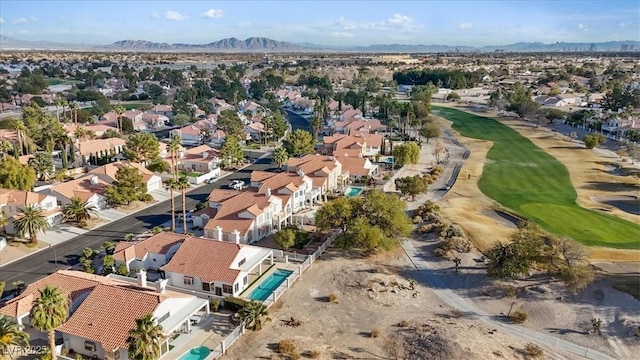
[(262, 44)]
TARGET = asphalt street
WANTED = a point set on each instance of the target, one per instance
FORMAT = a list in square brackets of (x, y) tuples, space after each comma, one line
[(43, 263)]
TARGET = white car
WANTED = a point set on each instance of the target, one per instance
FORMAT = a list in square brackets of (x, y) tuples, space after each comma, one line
[(236, 184)]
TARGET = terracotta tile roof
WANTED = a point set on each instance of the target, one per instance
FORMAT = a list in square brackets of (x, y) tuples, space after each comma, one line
[(111, 169), (157, 244), (197, 154), (81, 188), (353, 153), (210, 260), (221, 195), (163, 108), (187, 130), (275, 181), (20, 198), (354, 165), (9, 135), (209, 211), (108, 313), (312, 164), (227, 216), (96, 146), (258, 176), (99, 129)]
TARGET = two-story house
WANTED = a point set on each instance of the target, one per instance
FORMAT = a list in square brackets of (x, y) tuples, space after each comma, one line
[(357, 167), (218, 268), (149, 254), (98, 148), (358, 145), (294, 188), (203, 159), (13, 202), (189, 134), (164, 110), (326, 172), (89, 188)]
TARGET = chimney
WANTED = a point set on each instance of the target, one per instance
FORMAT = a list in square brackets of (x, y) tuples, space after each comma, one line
[(93, 179), (218, 233), (205, 154), (267, 193), (142, 278), (161, 285), (235, 236)]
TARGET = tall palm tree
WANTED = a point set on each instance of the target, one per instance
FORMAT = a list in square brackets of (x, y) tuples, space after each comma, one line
[(183, 184), (74, 109), (21, 129), (119, 110), (81, 133), (11, 335), (49, 311), (78, 210), (42, 162), (30, 221), (174, 149), (5, 147), (316, 126), (252, 314), (280, 157), (144, 341), (172, 185)]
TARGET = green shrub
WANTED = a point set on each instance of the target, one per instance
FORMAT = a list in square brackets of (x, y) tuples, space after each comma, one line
[(234, 304), (214, 304), (518, 316), (533, 351), (591, 141), (146, 198)]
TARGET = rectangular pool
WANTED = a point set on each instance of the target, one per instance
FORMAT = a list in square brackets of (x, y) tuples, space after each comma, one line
[(270, 284), (353, 191)]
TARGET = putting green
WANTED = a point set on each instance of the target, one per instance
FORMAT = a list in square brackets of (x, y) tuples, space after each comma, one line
[(529, 181)]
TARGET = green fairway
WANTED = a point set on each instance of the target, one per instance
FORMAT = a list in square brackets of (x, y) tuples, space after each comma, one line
[(526, 179), (59, 81)]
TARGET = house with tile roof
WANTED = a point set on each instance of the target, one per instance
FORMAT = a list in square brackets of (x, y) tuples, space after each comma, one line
[(203, 159), (103, 310), (164, 110), (218, 268), (326, 172), (89, 188), (294, 188), (12, 202), (98, 129), (108, 172), (190, 134), (150, 253), (98, 148), (153, 121), (358, 167), (358, 145)]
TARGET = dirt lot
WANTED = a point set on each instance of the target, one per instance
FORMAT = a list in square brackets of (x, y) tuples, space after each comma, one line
[(373, 294)]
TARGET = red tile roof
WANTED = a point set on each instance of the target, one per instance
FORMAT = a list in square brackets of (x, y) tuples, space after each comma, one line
[(210, 260), (157, 244)]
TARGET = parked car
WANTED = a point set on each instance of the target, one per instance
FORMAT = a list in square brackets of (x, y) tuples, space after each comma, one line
[(210, 181), (236, 185)]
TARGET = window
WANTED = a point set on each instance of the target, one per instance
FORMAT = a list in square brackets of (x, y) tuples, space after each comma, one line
[(206, 286), (227, 289), (116, 355), (246, 280), (188, 280), (163, 318), (241, 262), (218, 291), (236, 287), (90, 346)]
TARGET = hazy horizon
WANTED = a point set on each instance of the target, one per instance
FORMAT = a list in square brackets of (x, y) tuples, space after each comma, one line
[(344, 23)]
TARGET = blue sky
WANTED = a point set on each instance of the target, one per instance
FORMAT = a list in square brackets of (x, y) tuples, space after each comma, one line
[(471, 22)]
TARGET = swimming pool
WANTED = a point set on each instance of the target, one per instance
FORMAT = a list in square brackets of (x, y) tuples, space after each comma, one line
[(353, 191), (196, 353), (270, 284)]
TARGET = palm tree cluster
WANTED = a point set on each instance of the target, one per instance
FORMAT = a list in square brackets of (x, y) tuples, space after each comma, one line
[(177, 183), (30, 221), (50, 311), (78, 211)]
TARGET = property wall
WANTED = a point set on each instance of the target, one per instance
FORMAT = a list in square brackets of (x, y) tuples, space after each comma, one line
[(76, 344), (171, 306), (177, 280)]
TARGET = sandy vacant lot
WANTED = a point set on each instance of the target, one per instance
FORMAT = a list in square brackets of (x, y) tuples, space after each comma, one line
[(372, 294), (594, 173)]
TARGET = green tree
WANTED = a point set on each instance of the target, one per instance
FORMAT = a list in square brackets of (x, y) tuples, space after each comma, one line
[(430, 130), (412, 186), (316, 126), (181, 119), (510, 260), (128, 187), (299, 143), (253, 313), (569, 260), (31, 221), (78, 211), (183, 184), (86, 260), (230, 123), (3, 224), (174, 151), (42, 163), (521, 102), (48, 312), (158, 165), (14, 175), (453, 96), (122, 270), (405, 154), (231, 151), (145, 339), (285, 238), (141, 147), (108, 262), (280, 157), (11, 335), (172, 184), (110, 134)]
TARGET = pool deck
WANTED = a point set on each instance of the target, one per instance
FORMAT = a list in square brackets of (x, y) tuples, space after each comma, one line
[(209, 332), (255, 284)]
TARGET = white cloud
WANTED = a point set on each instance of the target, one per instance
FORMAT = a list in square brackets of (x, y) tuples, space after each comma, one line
[(1, 21), (465, 26), (583, 27), (244, 24), (580, 26), (213, 13), (341, 34), (175, 16), (24, 20), (155, 15), (397, 22)]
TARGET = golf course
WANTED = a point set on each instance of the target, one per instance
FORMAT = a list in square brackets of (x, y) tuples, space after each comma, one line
[(527, 180)]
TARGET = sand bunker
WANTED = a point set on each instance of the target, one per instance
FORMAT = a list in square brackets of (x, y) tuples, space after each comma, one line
[(627, 203), (502, 218)]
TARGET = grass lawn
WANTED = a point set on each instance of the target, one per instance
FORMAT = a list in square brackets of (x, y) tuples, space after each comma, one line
[(526, 179), (137, 106), (59, 81), (191, 173)]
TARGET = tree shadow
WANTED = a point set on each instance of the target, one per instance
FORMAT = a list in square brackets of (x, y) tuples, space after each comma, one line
[(565, 331)]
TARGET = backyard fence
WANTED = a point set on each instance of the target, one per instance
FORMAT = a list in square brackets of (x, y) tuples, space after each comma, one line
[(224, 345)]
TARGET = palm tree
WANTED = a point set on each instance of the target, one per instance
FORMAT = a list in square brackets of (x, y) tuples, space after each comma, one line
[(144, 340), (172, 185), (3, 223), (11, 335), (316, 126), (21, 129), (42, 162), (49, 311), (5, 147), (74, 108), (174, 149), (30, 221), (280, 156), (78, 210), (119, 110), (182, 184), (252, 314), (80, 133)]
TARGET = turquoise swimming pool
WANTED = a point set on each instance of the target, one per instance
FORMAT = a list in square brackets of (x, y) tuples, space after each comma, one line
[(270, 284), (197, 353), (353, 191)]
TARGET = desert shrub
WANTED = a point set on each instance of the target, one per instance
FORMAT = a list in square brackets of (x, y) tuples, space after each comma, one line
[(425, 229), (146, 198), (518, 316), (455, 313), (214, 304), (376, 332), (436, 170), (445, 254), (510, 290), (459, 244), (591, 141), (532, 350), (417, 220), (497, 353), (428, 211), (333, 297), (234, 304), (442, 227), (430, 179), (403, 324), (448, 230), (314, 354), (156, 230), (288, 347)]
